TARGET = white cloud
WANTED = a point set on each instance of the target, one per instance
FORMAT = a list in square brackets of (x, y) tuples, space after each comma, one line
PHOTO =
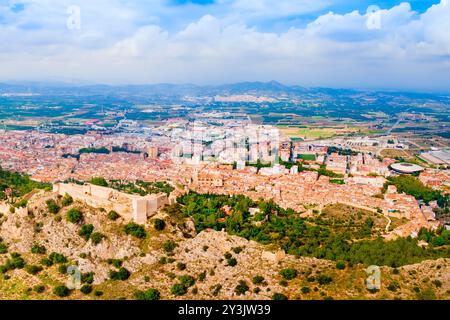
[(410, 50)]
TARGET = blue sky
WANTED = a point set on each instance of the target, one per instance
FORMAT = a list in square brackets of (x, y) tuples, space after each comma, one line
[(336, 43)]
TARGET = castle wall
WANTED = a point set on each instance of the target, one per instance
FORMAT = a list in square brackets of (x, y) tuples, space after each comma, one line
[(130, 207)]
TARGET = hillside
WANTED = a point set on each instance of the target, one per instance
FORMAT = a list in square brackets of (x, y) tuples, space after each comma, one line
[(176, 261)]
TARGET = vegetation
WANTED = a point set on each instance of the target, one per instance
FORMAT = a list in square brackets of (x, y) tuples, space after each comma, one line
[(279, 296), (86, 231), (74, 216), (414, 187), (121, 274), (113, 215), (67, 200), (178, 289), (15, 185), (97, 237), (38, 249), (86, 289), (159, 224), (299, 236), (241, 288), (61, 291), (288, 274), (135, 230), (149, 294), (52, 206)]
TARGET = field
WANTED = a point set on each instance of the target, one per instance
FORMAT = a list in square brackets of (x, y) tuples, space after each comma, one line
[(310, 133)]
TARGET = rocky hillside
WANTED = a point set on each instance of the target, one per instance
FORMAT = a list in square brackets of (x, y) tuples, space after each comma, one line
[(167, 259)]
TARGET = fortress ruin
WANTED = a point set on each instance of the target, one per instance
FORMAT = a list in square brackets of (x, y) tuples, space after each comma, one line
[(131, 207)]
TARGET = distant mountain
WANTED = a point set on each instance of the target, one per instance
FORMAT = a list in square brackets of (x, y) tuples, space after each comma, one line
[(271, 88)]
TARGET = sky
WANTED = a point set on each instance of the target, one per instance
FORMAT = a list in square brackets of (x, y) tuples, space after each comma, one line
[(379, 44)]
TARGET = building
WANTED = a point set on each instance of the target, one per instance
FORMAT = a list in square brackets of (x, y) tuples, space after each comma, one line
[(406, 168)]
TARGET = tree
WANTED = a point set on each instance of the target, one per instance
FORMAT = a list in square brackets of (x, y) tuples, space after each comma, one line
[(74, 216)]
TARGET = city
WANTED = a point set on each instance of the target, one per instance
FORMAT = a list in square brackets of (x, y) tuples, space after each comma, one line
[(170, 166)]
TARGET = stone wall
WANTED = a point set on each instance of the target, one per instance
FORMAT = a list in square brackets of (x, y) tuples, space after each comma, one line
[(131, 207)]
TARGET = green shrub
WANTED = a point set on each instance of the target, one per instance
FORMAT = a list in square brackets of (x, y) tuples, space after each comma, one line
[(86, 231), (279, 296), (323, 279), (135, 230), (149, 294), (187, 281), (202, 276), (181, 266), (61, 291), (33, 269), (169, 246), (96, 238), (437, 283), (86, 289), (38, 249), (241, 288), (305, 290), (340, 265), (237, 250), (159, 224), (39, 288), (87, 277), (115, 262), (52, 206), (178, 289), (62, 269), (74, 216), (113, 215), (289, 273), (258, 280), (56, 258), (231, 262), (98, 293), (3, 248), (67, 200), (393, 286), (228, 255), (121, 274)]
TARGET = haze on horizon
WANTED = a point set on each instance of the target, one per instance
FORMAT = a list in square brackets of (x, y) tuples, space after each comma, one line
[(304, 42)]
